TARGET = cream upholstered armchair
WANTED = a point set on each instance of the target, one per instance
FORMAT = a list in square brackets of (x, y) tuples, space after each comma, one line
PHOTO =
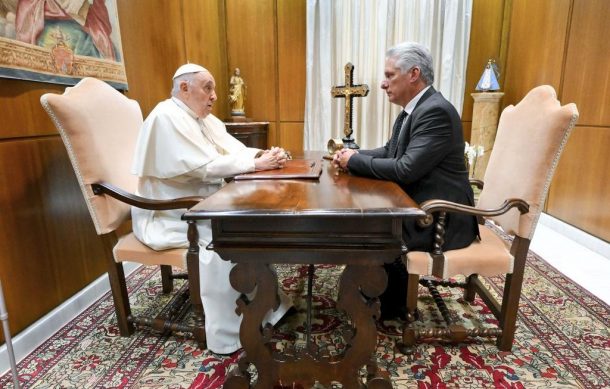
[(529, 142), (99, 127)]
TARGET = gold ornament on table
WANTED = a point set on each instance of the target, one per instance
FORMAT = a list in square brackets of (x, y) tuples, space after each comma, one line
[(333, 145), (349, 91), (237, 97)]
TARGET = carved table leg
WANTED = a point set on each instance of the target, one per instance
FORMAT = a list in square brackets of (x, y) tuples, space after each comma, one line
[(245, 278), (358, 291), (359, 287)]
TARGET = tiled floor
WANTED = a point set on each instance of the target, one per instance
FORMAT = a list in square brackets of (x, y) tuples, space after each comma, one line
[(584, 259)]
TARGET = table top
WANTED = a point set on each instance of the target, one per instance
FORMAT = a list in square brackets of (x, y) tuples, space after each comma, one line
[(244, 124), (335, 194)]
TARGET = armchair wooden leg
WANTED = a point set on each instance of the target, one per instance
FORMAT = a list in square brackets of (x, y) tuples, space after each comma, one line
[(121, 298), (408, 332), (166, 279), (116, 275), (408, 338), (412, 287), (470, 290), (512, 293), (192, 265)]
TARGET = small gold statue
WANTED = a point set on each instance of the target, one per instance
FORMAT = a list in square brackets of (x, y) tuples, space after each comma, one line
[(237, 94)]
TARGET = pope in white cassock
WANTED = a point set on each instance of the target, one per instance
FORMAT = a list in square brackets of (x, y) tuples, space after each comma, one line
[(184, 150)]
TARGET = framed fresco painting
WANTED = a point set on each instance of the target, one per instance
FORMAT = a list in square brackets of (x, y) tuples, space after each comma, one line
[(61, 41)]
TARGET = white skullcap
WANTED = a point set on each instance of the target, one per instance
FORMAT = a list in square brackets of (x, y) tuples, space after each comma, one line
[(189, 68)]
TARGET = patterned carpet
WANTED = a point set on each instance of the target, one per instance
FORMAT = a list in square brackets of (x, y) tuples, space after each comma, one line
[(562, 340)]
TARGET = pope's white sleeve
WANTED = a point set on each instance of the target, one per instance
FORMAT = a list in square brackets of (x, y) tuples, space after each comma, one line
[(227, 165)]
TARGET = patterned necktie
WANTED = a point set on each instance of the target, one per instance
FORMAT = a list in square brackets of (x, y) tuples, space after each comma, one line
[(395, 133)]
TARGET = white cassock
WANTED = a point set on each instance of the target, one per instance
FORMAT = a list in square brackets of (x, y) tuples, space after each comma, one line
[(179, 155)]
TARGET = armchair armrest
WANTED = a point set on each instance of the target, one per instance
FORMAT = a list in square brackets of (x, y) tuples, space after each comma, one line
[(432, 206), (141, 202), (443, 206), (478, 183)]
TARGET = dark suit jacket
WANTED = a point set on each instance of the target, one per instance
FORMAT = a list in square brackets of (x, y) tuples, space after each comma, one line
[(429, 164)]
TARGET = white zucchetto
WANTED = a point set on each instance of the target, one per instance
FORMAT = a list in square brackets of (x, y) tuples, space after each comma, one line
[(189, 68)]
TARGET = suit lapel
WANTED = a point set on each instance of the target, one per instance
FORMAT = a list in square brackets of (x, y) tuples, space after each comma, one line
[(405, 133)]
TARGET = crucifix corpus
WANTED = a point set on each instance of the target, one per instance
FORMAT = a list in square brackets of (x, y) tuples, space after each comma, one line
[(349, 91)]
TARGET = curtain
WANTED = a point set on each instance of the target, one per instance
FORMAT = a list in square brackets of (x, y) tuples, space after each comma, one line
[(360, 32)]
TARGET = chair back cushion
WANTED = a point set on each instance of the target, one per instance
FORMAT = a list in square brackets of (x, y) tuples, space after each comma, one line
[(99, 127), (529, 142)]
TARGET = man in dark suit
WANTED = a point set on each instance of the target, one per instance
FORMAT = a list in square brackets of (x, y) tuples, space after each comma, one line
[(425, 156)]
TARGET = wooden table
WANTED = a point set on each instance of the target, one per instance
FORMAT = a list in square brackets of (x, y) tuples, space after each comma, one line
[(339, 219)]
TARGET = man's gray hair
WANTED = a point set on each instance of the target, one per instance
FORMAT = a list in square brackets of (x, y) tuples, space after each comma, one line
[(188, 77), (410, 54)]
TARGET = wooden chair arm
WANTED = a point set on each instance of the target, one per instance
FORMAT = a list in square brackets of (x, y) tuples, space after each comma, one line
[(444, 206), (432, 206), (141, 202), (478, 183)]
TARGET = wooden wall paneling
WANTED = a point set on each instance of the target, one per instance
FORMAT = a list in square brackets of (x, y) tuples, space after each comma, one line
[(485, 43), (48, 247), (24, 262), (153, 47), (251, 46), (586, 78), (536, 46), (291, 32), (506, 18), (71, 234), (580, 189), (273, 135), (467, 130), (22, 114), (291, 137), (205, 42)]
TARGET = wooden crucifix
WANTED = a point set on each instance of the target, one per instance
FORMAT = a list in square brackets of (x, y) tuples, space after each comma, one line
[(349, 91)]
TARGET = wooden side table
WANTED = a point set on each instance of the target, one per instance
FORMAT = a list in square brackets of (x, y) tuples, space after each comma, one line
[(252, 134)]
